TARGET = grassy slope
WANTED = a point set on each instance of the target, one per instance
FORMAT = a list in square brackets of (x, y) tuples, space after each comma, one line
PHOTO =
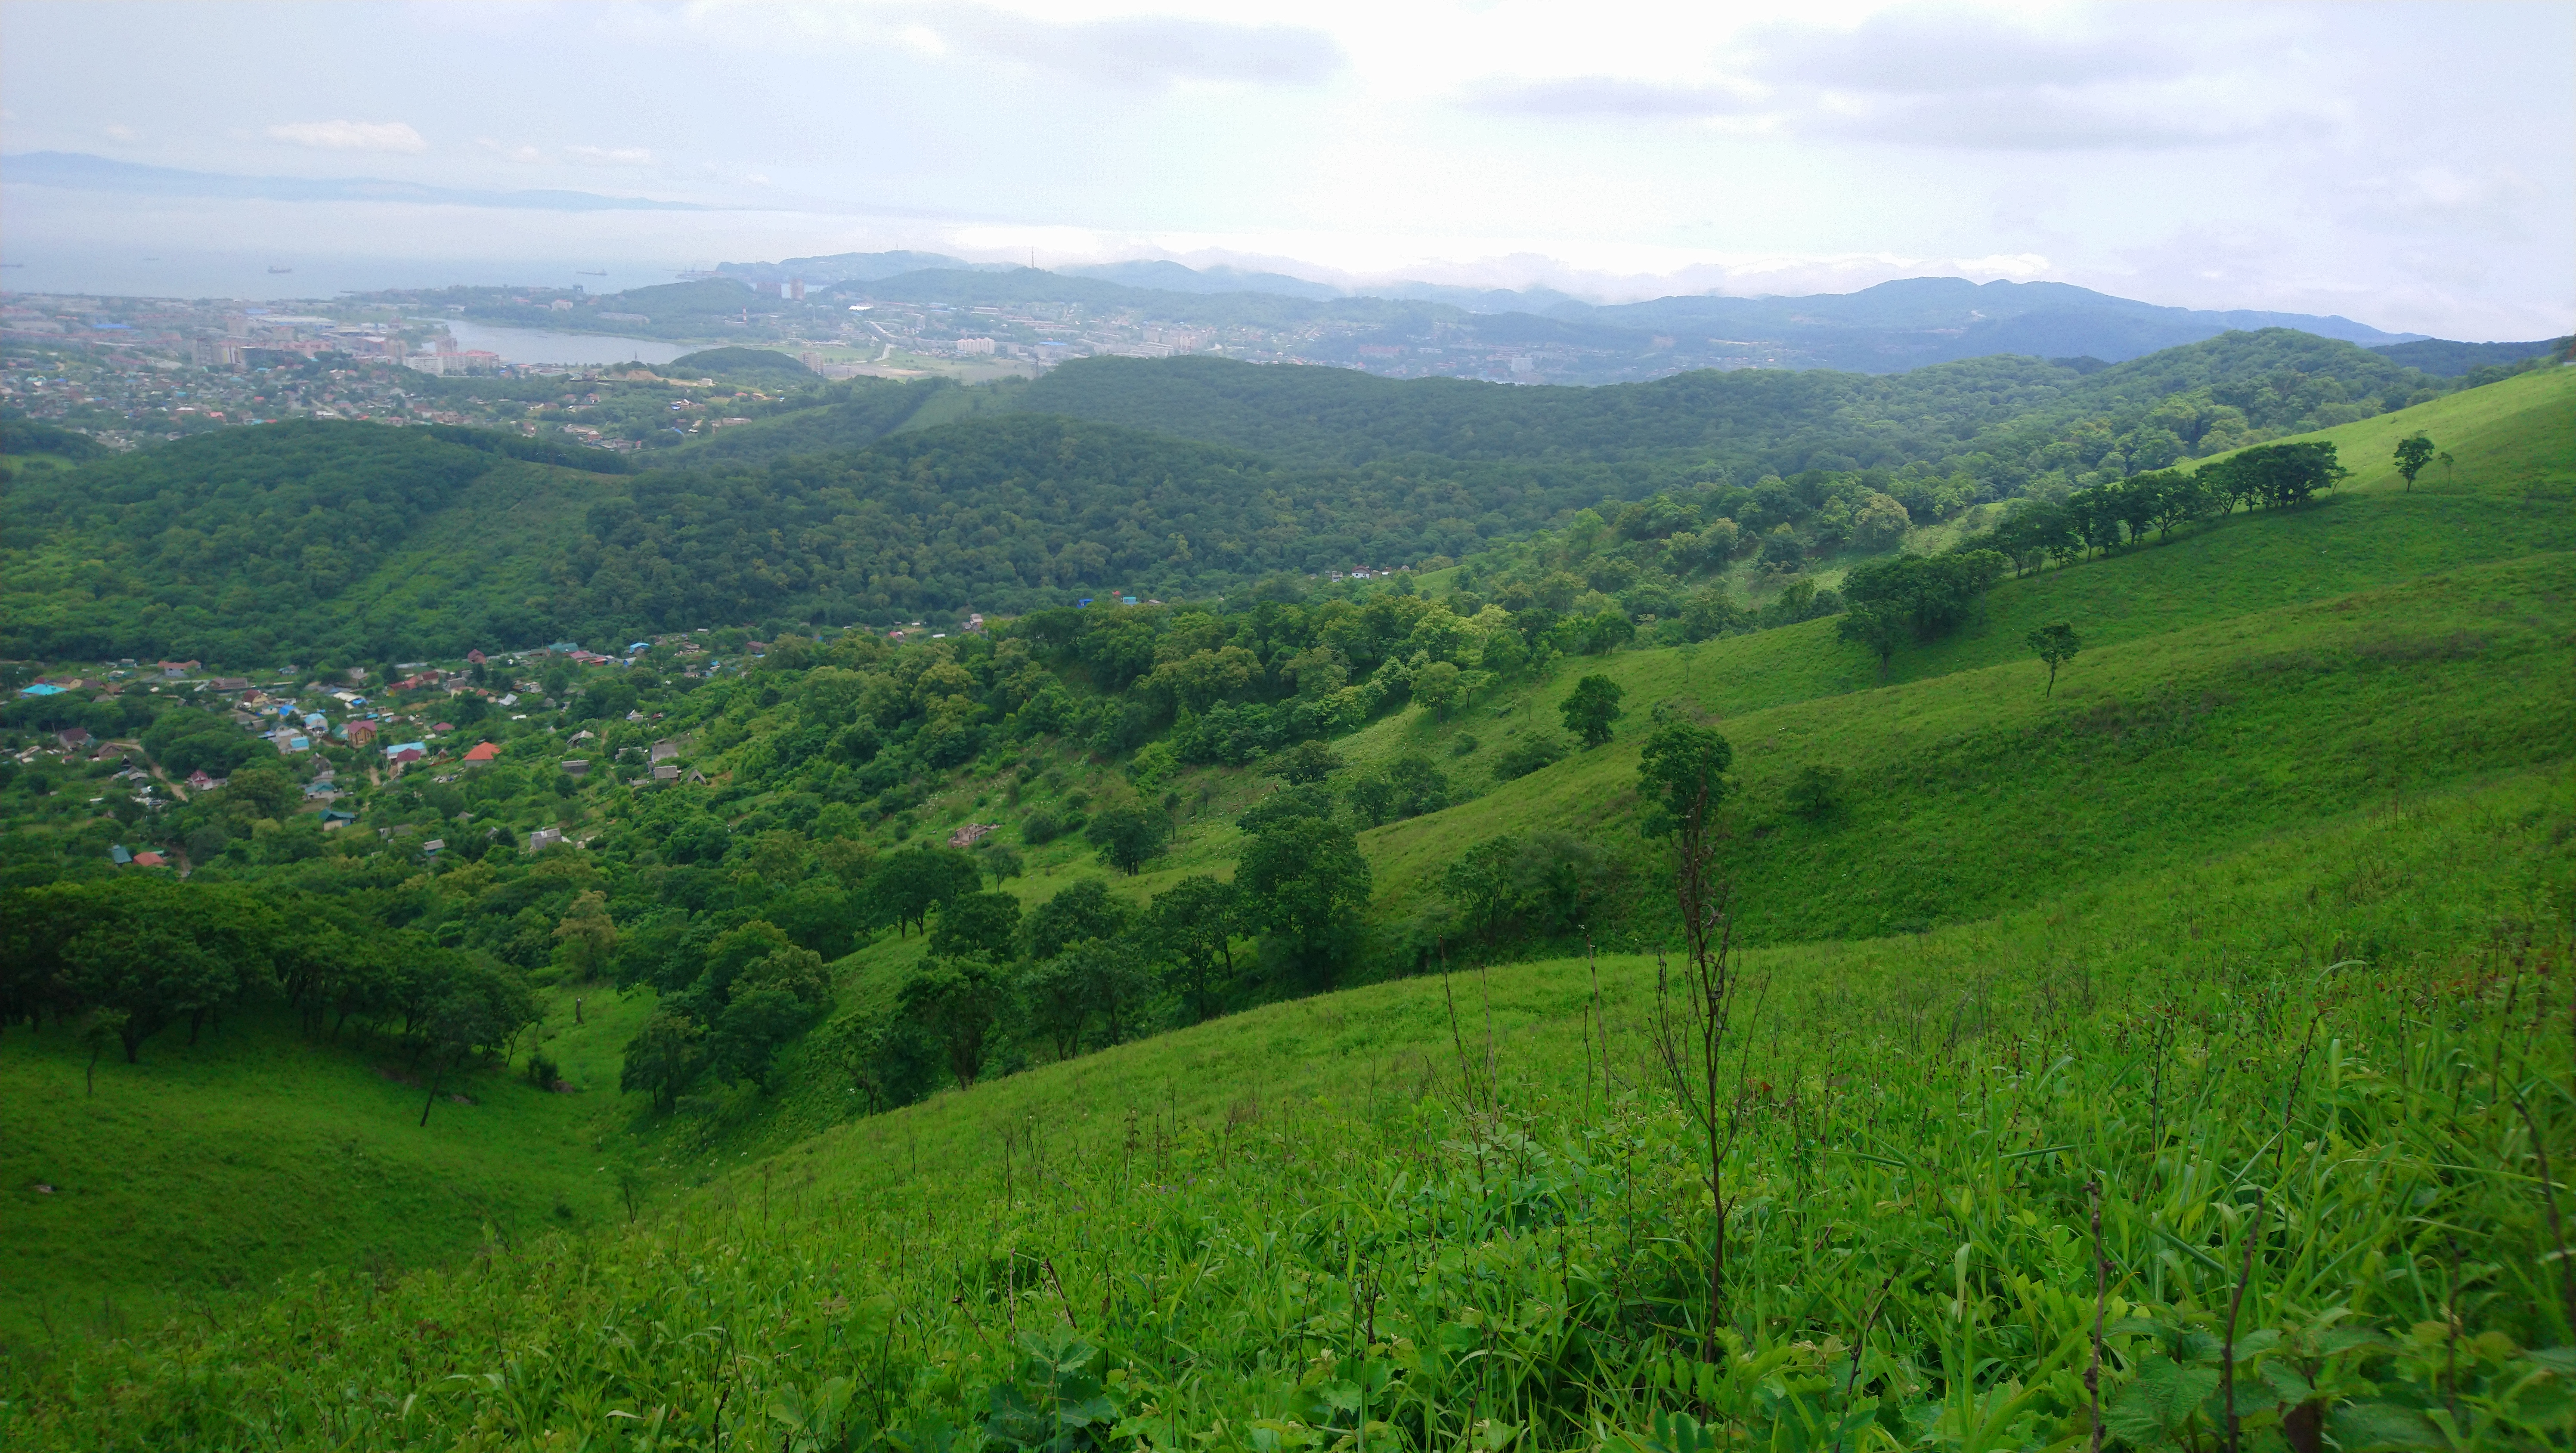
[(1919, 752), (1198, 1203), (257, 1153), (2208, 711), (1970, 791)]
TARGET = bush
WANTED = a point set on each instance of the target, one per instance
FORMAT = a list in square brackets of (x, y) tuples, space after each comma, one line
[(544, 1073), (1041, 827), (1526, 757)]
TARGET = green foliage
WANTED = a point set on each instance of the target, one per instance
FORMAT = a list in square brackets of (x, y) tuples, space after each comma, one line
[(2413, 453), (977, 925), (1409, 786), (1307, 884), (1308, 761), (2055, 644), (1128, 836), (1527, 756), (757, 364), (1077, 913), (1590, 709), (1964, 1316), (1512, 889), (1815, 792)]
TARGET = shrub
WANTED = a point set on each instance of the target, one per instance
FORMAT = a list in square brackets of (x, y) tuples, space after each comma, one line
[(1523, 758)]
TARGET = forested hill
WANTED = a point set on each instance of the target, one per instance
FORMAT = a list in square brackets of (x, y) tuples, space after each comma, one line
[(2276, 379), (1189, 476)]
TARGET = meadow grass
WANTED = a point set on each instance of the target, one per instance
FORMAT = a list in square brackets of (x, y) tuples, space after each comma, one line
[(2300, 1081), (1971, 792), (210, 1169)]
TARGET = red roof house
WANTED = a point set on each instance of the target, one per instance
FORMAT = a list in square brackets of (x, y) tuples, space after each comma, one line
[(483, 752)]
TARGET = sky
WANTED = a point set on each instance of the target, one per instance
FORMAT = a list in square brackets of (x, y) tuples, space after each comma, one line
[(2409, 166)]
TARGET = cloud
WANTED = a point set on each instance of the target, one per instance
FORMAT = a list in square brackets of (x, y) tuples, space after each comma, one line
[(523, 153), (1140, 50), (2494, 202), (350, 135), (1933, 52), (1611, 96), (609, 155), (1955, 79), (121, 132)]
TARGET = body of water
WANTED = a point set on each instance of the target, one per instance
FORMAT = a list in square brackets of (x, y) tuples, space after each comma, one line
[(539, 345)]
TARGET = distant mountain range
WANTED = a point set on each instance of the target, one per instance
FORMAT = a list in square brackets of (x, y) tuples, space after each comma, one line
[(1412, 328), (1883, 329)]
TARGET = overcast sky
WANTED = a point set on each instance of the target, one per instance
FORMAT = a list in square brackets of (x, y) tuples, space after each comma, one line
[(2413, 167)]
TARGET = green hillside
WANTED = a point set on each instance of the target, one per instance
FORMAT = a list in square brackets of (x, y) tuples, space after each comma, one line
[(1456, 1209), (2250, 931), (310, 539), (256, 1154)]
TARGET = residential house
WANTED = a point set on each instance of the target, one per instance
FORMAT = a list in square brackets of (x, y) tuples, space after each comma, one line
[(198, 781), (665, 750), (73, 739), (481, 753), (118, 855), (150, 860), (544, 838), (576, 767), (360, 733), (231, 684), (333, 817)]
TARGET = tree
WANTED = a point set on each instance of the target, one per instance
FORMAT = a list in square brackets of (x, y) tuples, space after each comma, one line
[(959, 1002), (1080, 911), (103, 1028), (586, 938), (1438, 686), (1304, 879), (890, 1059), (756, 1021), (1881, 628), (1111, 975), (1128, 836), (998, 861), (462, 1021), (1308, 761), (977, 925), (1880, 523), (1931, 595), (908, 883), (1054, 1004), (1406, 787), (1590, 709), (1193, 924), (1684, 769), (663, 1057), (2413, 453), (2055, 645), (1816, 791), (2280, 474)]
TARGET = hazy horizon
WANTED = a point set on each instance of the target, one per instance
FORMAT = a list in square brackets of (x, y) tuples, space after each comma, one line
[(2409, 167)]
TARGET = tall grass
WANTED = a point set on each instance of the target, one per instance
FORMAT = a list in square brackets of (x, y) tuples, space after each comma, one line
[(2309, 1090)]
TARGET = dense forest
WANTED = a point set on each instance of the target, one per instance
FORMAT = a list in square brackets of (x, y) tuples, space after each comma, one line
[(855, 503)]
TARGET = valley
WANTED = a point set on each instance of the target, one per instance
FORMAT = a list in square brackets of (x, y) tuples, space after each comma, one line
[(777, 1003)]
